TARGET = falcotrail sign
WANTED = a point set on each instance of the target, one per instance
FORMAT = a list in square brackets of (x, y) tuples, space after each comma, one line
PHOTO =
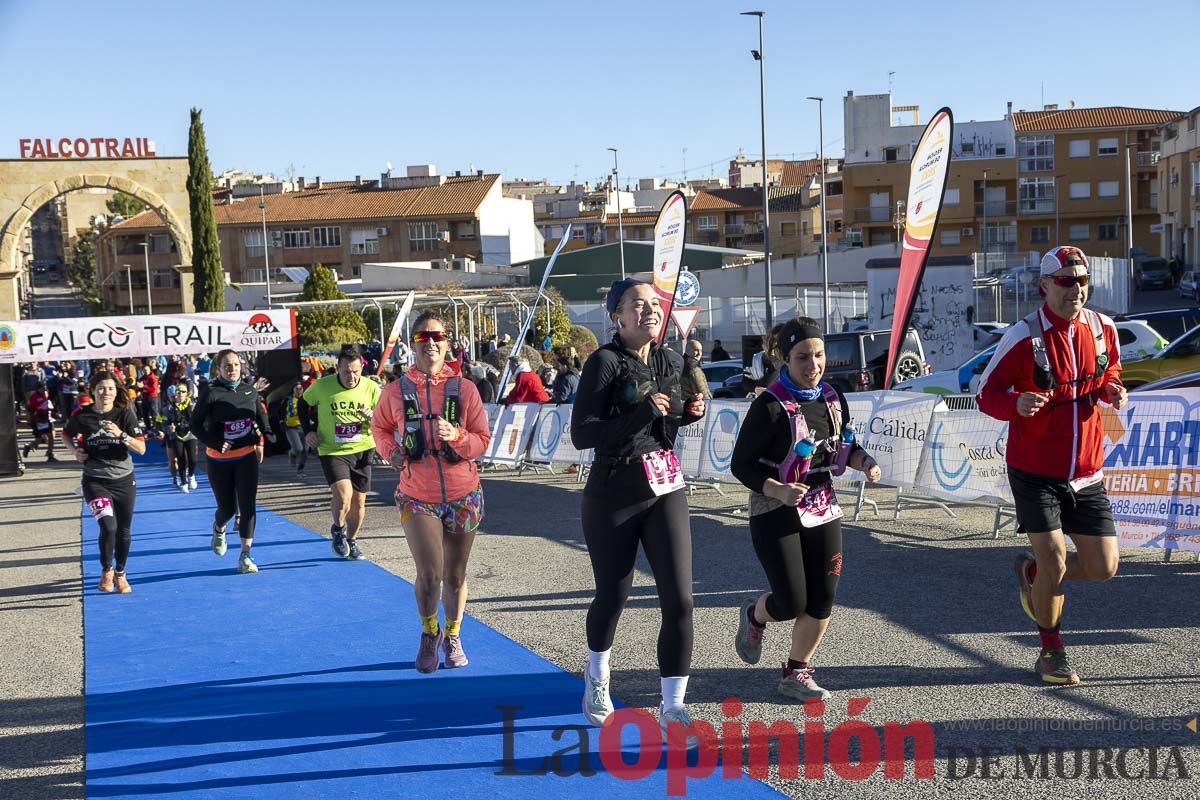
[(86, 147)]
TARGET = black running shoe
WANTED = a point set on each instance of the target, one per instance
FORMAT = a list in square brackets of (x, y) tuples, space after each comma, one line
[(341, 547), (355, 553), (1054, 668)]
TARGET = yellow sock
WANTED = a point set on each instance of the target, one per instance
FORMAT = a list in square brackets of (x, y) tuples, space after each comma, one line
[(452, 626), (430, 625)]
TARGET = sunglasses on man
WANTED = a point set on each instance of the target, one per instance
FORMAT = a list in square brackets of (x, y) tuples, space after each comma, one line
[(1067, 281), (421, 337)]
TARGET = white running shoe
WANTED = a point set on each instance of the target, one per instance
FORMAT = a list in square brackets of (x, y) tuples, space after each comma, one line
[(183, 487), (679, 715), (597, 704), (192, 482), (218, 540), (246, 564)]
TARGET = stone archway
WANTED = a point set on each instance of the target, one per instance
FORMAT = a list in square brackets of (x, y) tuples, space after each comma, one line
[(27, 185)]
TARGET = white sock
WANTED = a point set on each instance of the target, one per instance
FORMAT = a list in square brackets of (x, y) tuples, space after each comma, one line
[(598, 664), (673, 690)]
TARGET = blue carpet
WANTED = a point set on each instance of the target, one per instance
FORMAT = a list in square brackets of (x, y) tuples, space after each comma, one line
[(298, 682)]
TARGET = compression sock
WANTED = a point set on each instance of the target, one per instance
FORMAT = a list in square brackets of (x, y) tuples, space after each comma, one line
[(598, 664), (1051, 638), (673, 690), (452, 626), (430, 625)]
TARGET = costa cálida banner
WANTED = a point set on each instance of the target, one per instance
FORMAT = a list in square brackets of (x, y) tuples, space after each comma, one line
[(669, 230), (73, 339), (926, 184)]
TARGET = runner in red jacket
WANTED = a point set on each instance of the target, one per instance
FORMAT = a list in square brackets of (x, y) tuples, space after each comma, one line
[(1046, 378)]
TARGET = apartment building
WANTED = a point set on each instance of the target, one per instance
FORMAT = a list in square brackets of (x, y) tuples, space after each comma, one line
[(340, 224), (732, 218), (1179, 188)]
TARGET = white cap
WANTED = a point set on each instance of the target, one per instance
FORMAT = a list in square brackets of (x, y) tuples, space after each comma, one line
[(1062, 257)]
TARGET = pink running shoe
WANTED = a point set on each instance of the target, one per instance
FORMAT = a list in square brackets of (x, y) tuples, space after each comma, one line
[(455, 657), (427, 653)]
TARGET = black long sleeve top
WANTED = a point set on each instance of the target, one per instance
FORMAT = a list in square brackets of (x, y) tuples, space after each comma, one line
[(227, 413)]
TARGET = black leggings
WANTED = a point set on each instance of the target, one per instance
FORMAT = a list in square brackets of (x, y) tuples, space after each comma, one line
[(186, 454), (802, 564), (612, 534), (235, 485), (111, 504)]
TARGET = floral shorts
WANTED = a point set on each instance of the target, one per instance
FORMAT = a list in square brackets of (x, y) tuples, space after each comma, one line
[(457, 516)]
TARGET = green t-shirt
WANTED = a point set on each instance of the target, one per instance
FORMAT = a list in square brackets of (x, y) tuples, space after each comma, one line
[(342, 425)]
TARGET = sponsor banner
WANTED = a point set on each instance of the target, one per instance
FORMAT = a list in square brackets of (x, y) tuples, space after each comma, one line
[(926, 185), (892, 427), (669, 231), (722, 423), (689, 448), (551, 440), (80, 338), (514, 427), (963, 458), (1152, 469)]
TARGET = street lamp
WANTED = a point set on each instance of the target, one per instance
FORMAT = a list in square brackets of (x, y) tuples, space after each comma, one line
[(987, 268), (146, 252), (262, 208), (762, 122), (620, 223), (1129, 217), (824, 225), (129, 285)]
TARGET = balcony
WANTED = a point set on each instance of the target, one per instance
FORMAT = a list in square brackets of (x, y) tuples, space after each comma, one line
[(1148, 158), (707, 236), (873, 214), (1035, 207), (996, 208)]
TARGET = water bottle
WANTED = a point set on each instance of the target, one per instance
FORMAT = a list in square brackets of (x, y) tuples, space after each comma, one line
[(795, 467), (845, 446)]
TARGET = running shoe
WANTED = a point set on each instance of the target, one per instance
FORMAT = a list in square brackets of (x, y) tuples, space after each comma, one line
[(106, 580), (51, 457), (355, 553), (191, 481), (427, 653), (246, 564), (799, 684), (597, 704), (1022, 566), (218, 540), (300, 473), (183, 487), (341, 546), (680, 716), (122, 584), (25, 451), (175, 480), (454, 655), (1054, 668), (748, 642)]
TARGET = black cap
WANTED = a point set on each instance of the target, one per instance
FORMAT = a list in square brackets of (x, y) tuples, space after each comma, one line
[(617, 291)]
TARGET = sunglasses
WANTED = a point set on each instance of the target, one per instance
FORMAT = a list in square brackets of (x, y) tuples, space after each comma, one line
[(1067, 281), (421, 337)]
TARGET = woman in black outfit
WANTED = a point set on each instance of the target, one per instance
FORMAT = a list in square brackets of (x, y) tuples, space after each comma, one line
[(796, 526), (182, 441), (629, 408), (102, 434), (230, 419)]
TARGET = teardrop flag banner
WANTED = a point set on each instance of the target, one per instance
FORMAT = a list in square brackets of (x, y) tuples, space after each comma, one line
[(394, 335), (669, 231), (927, 173)]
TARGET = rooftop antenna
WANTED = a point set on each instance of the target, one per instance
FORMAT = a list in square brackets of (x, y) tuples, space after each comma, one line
[(685, 165), (575, 176), (891, 74)]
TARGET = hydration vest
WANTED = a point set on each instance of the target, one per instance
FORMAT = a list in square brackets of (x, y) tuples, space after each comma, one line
[(799, 426), (1043, 375), (415, 446), (292, 416)]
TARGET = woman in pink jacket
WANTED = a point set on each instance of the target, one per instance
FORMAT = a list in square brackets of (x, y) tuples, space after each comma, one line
[(430, 425)]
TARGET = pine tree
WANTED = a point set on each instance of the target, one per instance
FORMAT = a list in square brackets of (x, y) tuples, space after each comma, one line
[(329, 325), (208, 291)]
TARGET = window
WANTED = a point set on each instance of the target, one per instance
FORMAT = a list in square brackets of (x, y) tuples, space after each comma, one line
[(950, 237), (423, 237), (1035, 195), (578, 232), (1108, 189), (1079, 148), (1195, 173), (787, 229), (1080, 191), (364, 241), (300, 238), (1039, 234), (1126, 337), (1107, 147), (1079, 233), (889, 154), (327, 237), (1106, 232), (252, 241), (1035, 154), (706, 223), (464, 230), (161, 243), (951, 198), (1001, 150)]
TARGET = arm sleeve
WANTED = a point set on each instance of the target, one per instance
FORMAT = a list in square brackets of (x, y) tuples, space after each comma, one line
[(383, 425), (473, 434), (754, 439), (589, 427)]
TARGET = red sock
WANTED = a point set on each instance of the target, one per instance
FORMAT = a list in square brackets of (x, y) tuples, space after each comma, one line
[(1051, 638), (794, 664)]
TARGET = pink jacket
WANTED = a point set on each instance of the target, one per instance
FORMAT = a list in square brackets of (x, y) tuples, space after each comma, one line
[(433, 479)]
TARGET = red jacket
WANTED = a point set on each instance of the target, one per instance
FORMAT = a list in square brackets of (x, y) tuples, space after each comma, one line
[(527, 388), (1065, 439)]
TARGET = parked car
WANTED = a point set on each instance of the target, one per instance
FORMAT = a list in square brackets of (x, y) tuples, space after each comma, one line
[(1012, 279), (724, 377), (856, 361), (1152, 273), (1181, 355), (1138, 340), (960, 380), (1189, 285), (1184, 380), (1170, 323)]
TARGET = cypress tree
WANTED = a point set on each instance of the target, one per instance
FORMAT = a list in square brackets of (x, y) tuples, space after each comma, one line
[(208, 290)]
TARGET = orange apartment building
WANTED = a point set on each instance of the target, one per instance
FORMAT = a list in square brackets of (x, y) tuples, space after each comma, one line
[(1179, 188)]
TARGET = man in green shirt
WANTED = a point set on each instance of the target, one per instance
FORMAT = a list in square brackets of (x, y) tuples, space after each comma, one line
[(343, 404)]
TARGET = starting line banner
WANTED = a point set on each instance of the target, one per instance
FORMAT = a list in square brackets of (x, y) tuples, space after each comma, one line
[(1151, 467), (74, 339)]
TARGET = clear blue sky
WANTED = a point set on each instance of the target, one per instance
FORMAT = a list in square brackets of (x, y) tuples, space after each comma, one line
[(533, 89)]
